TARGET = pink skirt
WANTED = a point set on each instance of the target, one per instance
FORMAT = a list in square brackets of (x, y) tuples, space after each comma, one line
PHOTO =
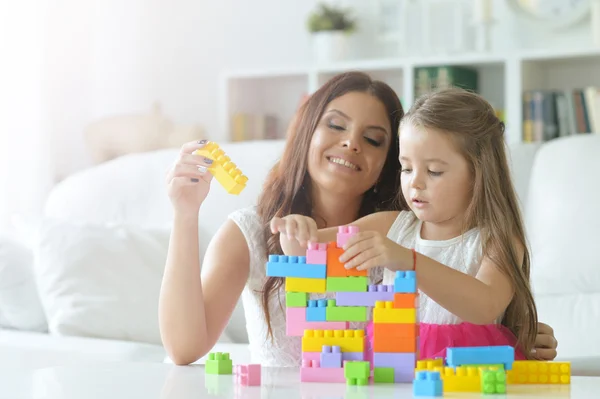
[(434, 339)]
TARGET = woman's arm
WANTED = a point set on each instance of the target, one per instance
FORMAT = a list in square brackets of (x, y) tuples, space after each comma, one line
[(196, 302)]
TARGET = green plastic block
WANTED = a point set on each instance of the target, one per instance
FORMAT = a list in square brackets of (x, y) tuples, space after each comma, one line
[(296, 299), (347, 284), (345, 313), (218, 363), (357, 372), (383, 374), (493, 381)]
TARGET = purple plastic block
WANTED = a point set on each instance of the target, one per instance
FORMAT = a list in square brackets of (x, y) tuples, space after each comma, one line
[(403, 364), (316, 254), (375, 293), (331, 357), (344, 233), (353, 356)]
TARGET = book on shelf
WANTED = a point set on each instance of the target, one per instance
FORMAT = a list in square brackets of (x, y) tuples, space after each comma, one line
[(428, 79), (548, 114), (248, 126)]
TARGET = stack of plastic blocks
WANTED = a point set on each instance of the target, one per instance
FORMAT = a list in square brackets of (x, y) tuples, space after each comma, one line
[(396, 332)]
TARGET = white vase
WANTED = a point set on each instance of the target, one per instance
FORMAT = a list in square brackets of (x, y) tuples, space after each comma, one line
[(329, 46)]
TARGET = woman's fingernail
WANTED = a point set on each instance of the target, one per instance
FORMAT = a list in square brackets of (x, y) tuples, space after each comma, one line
[(194, 180), (208, 161), (201, 169), (202, 142), (534, 350)]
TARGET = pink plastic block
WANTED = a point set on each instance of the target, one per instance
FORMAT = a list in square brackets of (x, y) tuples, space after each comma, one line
[(331, 357), (344, 233), (296, 323), (316, 254), (248, 374), (311, 372)]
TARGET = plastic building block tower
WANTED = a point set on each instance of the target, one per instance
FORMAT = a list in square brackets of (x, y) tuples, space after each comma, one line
[(225, 171), (330, 351), (218, 363)]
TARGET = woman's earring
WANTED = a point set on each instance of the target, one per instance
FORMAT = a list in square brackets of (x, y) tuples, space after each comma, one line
[(375, 189)]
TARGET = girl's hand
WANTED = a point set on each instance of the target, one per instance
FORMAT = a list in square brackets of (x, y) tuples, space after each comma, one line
[(370, 249), (545, 343), (301, 228), (188, 180)]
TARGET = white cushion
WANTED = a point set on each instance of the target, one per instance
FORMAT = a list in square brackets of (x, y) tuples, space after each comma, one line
[(101, 280), (20, 306), (563, 216)]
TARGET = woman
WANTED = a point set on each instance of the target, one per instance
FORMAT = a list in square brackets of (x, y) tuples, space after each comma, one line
[(340, 163)]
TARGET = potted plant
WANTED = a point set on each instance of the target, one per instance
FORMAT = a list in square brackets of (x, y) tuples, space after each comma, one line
[(330, 27)]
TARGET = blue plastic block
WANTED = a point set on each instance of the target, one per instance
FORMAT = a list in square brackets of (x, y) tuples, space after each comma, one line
[(481, 355), (405, 282), (294, 266), (427, 383), (316, 310)]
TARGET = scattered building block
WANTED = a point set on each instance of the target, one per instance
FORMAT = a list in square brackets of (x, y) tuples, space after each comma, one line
[(316, 254), (294, 266), (402, 363), (461, 379), (342, 313), (248, 374), (335, 268), (481, 355), (385, 313), (331, 357), (405, 282), (383, 374), (429, 364), (344, 233), (296, 323), (310, 285), (374, 293), (405, 300), (347, 284), (218, 363), (493, 381), (347, 340), (312, 372), (428, 383), (316, 310), (357, 373), (395, 330), (223, 170), (296, 299), (539, 372)]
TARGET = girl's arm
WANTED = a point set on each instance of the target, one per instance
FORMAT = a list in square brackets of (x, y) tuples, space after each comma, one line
[(196, 302), (301, 228), (479, 300)]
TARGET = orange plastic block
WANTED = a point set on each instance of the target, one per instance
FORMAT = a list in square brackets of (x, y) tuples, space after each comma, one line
[(394, 345), (385, 313), (347, 340), (406, 300), (310, 285), (539, 372), (463, 379), (335, 268), (395, 330), (225, 171)]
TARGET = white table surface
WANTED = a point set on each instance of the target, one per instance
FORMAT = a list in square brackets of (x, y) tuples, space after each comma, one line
[(166, 381)]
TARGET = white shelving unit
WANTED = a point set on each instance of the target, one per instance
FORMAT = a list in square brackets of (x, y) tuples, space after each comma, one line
[(502, 80)]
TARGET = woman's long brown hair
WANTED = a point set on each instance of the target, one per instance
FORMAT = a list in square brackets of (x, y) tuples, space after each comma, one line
[(474, 127), (287, 187)]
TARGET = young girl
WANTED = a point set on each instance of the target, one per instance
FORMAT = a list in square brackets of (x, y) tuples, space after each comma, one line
[(463, 234)]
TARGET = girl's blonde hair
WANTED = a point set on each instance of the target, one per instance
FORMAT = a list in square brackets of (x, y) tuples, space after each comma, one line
[(479, 135)]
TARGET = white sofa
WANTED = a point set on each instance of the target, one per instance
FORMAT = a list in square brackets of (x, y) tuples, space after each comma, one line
[(97, 214)]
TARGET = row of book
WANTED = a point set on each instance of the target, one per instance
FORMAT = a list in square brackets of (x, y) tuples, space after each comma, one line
[(548, 114)]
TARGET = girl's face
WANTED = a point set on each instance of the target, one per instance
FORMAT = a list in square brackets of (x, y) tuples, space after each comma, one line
[(436, 180), (350, 144)]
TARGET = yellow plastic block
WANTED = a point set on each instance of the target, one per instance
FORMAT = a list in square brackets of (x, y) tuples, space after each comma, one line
[(429, 364), (539, 372), (347, 340), (225, 171), (301, 284), (385, 313), (463, 379)]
